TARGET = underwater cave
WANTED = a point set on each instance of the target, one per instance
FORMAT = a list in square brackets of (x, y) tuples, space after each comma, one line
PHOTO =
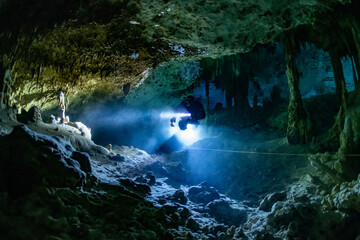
[(177, 119)]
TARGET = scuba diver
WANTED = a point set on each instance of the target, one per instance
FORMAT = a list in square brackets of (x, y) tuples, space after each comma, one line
[(191, 111)]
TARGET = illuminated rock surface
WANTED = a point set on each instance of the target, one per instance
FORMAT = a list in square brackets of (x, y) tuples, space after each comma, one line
[(277, 156)]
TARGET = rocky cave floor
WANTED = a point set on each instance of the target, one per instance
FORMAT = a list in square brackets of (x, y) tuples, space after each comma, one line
[(57, 184)]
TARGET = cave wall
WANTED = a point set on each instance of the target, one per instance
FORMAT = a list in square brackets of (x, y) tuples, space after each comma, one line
[(104, 48), (91, 46), (166, 85), (86, 48)]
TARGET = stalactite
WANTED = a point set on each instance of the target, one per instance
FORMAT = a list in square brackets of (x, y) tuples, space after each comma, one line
[(355, 30), (299, 126), (235, 72), (229, 97), (228, 81), (241, 102), (207, 94), (208, 74), (357, 66), (240, 75), (235, 75), (355, 78), (339, 79)]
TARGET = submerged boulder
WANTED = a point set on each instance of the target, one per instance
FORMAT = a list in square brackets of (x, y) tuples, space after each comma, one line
[(176, 171), (151, 178), (203, 193), (29, 158), (296, 220), (139, 188), (192, 224), (157, 168), (347, 196), (267, 203), (224, 213), (117, 158), (179, 197)]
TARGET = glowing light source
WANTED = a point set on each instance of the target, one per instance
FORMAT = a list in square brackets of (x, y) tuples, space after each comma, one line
[(171, 114), (174, 130), (190, 135)]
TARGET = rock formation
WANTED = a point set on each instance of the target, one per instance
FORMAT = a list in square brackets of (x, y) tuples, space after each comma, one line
[(269, 161)]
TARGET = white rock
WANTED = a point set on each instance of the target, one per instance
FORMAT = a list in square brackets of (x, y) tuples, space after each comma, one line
[(84, 130)]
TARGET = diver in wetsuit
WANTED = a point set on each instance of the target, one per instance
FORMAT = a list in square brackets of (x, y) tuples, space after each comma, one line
[(194, 108)]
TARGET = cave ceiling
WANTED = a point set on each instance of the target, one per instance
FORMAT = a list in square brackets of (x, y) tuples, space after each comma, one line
[(227, 27), (95, 48)]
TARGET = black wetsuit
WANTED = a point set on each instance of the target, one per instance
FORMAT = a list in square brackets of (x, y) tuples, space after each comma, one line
[(194, 107)]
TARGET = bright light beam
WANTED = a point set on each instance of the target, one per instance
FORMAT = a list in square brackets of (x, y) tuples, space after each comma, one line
[(190, 135), (174, 130), (177, 115)]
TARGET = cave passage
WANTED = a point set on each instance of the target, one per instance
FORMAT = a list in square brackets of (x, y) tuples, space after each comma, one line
[(186, 120), (229, 139)]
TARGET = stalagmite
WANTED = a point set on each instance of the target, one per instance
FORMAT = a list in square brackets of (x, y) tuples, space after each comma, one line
[(345, 129), (7, 90), (241, 93), (298, 123), (229, 97), (341, 96)]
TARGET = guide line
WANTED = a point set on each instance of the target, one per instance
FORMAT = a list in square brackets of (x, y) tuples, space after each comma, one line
[(264, 153)]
